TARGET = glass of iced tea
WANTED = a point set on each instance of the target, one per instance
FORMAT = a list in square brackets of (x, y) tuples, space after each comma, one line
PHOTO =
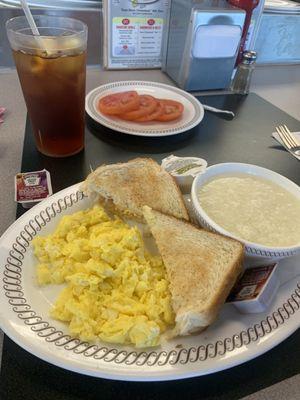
[(52, 69)]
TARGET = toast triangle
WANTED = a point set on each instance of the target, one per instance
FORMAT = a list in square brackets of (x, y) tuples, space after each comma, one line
[(202, 267), (126, 187)]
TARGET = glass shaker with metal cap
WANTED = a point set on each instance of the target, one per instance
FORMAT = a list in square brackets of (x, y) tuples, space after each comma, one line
[(242, 78)]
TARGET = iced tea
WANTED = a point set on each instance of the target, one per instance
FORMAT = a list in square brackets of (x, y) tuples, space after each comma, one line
[(53, 85)]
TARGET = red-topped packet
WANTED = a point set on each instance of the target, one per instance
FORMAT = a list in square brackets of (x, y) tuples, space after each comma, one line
[(32, 187), (255, 290)]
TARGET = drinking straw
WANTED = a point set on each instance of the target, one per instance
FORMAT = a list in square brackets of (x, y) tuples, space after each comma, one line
[(32, 25), (29, 18)]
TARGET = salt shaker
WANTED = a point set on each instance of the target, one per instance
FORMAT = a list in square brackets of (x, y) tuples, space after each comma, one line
[(242, 78)]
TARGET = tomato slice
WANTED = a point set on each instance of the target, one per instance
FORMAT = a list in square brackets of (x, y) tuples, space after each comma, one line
[(119, 103), (158, 111), (172, 110), (147, 106)]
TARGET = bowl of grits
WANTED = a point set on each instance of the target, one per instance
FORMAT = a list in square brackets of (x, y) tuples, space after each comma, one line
[(254, 205)]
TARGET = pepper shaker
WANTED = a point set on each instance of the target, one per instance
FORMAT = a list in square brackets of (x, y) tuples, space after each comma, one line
[(242, 78)]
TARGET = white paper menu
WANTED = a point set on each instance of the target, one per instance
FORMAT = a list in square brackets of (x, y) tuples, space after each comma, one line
[(133, 31)]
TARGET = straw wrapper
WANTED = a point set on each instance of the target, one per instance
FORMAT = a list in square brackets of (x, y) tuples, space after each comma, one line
[(2, 111)]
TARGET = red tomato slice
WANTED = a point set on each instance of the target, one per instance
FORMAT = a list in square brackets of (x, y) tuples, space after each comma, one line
[(119, 103), (147, 106), (172, 110), (158, 111)]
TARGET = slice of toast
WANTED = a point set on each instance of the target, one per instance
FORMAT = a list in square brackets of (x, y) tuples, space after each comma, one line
[(202, 267), (126, 187)]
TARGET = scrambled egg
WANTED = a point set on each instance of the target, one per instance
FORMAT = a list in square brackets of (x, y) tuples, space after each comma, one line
[(115, 291)]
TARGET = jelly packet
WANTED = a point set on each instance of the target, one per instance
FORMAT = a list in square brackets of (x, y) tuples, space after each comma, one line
[(255, 290), (184, 169), (32, 187)]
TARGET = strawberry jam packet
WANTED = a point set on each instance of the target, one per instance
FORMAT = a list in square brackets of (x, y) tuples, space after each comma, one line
[(255, 290), (32, 187)]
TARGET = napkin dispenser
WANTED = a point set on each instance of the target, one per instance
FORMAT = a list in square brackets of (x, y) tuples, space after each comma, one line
[(202, 44)]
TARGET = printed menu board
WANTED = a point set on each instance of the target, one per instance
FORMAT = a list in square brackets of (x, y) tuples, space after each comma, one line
[(133, 31)]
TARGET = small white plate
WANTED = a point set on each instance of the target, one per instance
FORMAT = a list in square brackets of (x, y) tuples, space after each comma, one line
[(192, 115), (24, 315)]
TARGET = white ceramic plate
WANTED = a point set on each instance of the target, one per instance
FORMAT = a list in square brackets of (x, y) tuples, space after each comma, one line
[(24, 315), (192, 115)]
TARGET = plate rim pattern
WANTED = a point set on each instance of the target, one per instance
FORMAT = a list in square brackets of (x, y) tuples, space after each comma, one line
[(12, 285)]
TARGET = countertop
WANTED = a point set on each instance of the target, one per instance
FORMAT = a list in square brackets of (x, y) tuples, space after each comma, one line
[(280, 85)]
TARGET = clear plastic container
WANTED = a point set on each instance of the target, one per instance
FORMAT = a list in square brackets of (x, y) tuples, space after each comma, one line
[(184, 169)]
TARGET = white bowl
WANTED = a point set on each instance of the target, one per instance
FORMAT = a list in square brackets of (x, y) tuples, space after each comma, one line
[(252, 250)]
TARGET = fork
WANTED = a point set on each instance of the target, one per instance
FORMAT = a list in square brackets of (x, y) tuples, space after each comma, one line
[(289, 141)]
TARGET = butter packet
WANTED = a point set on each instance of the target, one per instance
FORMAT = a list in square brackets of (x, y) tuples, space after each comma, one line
[(32, 187), (184, 169)]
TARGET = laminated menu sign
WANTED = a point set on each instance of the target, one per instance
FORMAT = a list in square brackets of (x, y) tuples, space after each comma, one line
[(133, 31)]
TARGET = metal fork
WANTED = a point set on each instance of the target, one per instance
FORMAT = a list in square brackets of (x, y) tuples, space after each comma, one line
[(289, 141)]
